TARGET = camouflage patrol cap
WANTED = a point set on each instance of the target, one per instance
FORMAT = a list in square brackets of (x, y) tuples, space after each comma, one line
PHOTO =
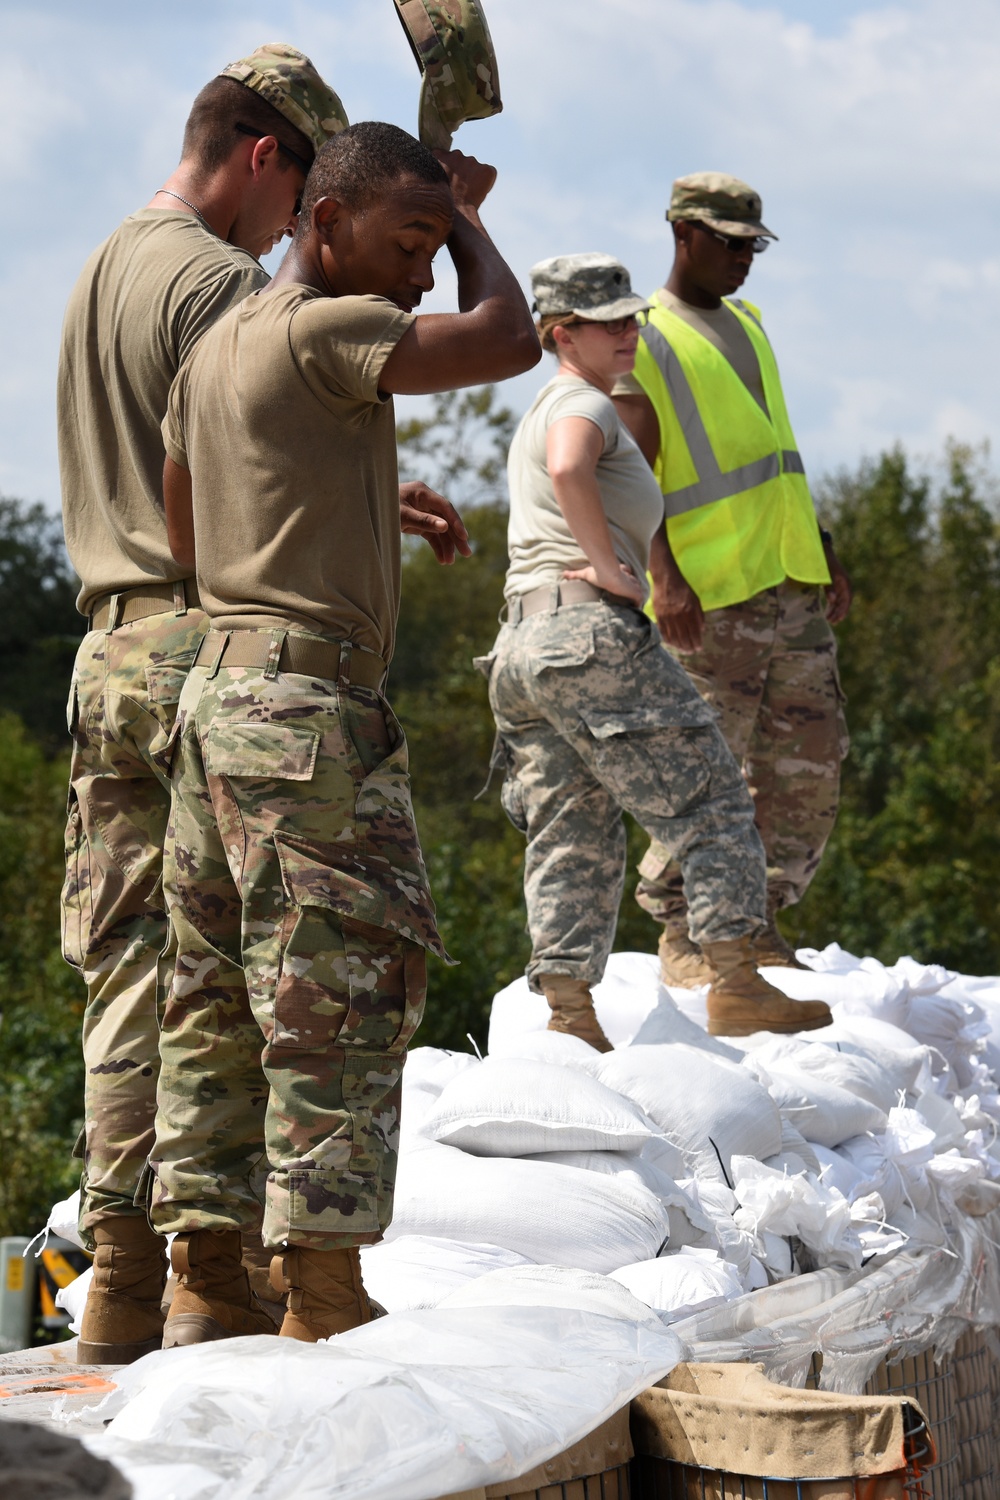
[(287, 79), (451, 43), (593, 286), (724, 202)]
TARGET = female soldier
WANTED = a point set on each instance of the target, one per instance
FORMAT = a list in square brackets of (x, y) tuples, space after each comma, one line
[(593, 714)]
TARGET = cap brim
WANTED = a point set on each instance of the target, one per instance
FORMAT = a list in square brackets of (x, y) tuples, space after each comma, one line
[(724, 226), (624, 307)]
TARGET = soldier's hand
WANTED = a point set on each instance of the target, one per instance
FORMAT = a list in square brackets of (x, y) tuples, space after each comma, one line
[(623, 584), (423, 512), (839, 591), (470, 180), (679, 615)]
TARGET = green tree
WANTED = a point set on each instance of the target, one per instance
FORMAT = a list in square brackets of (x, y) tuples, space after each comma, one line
[(41, 998), (914, 861), (39, 625)]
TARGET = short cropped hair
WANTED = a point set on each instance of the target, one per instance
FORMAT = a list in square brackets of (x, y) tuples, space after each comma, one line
[(210, 135), (361, 164)]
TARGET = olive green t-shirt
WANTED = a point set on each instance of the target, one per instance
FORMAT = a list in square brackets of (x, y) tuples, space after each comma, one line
[(142, 302), (292, 454), (723, 329)]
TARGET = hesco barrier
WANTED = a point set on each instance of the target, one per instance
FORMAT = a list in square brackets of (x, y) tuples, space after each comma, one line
[(595, 1468)]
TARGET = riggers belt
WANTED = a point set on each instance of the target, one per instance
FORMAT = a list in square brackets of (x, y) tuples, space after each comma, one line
[(770, 668), (123, 703), (596, 717), (293, 859)]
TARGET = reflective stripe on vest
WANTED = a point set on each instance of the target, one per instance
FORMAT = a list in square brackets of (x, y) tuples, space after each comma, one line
[(712, 484)]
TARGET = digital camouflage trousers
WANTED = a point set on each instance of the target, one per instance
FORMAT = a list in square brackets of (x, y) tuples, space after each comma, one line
[(122, 708), (770, 668), (595, 717), (301, 915)]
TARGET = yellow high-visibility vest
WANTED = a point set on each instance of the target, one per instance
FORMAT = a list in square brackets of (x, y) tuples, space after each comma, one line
[(738, 511)]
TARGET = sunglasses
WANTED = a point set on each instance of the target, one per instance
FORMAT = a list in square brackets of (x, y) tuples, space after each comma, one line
[(293, 156), (615, 328), (736, 244)]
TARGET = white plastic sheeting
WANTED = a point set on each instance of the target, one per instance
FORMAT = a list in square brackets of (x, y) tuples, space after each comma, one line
[(410, 1407)]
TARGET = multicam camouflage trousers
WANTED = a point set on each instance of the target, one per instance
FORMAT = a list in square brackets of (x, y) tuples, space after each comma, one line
[(292, 860), (123, 702), (596, 717), (770, 668)]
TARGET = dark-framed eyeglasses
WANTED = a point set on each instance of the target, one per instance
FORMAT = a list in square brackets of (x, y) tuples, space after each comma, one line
[(616, 327), (300, 161), (736, 244)]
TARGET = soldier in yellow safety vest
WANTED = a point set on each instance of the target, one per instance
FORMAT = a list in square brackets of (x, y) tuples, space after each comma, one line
[(746, 585)]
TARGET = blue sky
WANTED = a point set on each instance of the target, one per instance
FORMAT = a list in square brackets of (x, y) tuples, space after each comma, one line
[(869, 129)]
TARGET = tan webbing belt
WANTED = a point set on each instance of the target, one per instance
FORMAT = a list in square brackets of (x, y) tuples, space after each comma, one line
[(138, 604), (553, 596), (299, 653)]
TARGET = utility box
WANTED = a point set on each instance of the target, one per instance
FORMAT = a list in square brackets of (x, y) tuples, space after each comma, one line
[(17, 1294)]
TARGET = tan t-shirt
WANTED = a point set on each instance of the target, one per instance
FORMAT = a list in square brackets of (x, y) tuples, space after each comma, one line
[(143, 300), (292, 453), (539, 540), (723, 329)]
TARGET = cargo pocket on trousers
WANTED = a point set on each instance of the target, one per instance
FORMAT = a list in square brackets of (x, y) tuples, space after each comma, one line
[(164, 685), (351, 967), (77, 900), (649, 766), (262, 752)]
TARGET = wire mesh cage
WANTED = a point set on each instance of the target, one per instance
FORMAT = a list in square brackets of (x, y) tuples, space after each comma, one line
[(976, 1431), (656, 1478), (934, 1387)]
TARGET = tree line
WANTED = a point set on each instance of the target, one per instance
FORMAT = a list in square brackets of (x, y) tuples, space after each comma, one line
[(912, 867)]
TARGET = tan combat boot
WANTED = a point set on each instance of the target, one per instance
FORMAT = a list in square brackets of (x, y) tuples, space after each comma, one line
[(682, 962), (213, 1299), (325, 1292), (572, 1007), (741, 1001), (257, 1264), (769, 946), (122, 1320)]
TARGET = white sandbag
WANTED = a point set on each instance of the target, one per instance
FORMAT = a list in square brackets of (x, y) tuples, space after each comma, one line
[(419, 1271), (718, 1204), (688, 1224), (63, 1221), (796, 1154), (72, 1297), (514, 1106), (552, 1215), (706, 1106), (900, 1065), (665, 1157), (822, 1111), (837, 1170), (557, 1047), (687, 1282), (427, 1071), (855, 986), (851, 1071), (801, 1206), (553, 1286)]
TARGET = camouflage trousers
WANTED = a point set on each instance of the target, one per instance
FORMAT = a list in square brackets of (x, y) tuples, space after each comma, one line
[(770, 668), (301, 915), (595, 717), (122, 708)]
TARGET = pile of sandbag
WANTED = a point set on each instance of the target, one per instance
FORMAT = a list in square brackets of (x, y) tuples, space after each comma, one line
[(691, 1169)]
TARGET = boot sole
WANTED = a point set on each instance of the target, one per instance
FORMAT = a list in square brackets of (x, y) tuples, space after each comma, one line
[(718, 1028), (198, 1328), (114, 1354)]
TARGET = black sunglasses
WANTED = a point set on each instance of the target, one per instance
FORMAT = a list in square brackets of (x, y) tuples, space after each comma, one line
[(300, 161), (735, 243)]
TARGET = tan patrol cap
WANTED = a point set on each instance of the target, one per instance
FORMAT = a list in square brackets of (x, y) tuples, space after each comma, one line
[(287, 79), (724, 202), (451, 43)]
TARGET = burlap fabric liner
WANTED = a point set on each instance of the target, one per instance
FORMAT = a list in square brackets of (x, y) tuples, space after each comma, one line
[(605, 1448), (731, 1417)]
